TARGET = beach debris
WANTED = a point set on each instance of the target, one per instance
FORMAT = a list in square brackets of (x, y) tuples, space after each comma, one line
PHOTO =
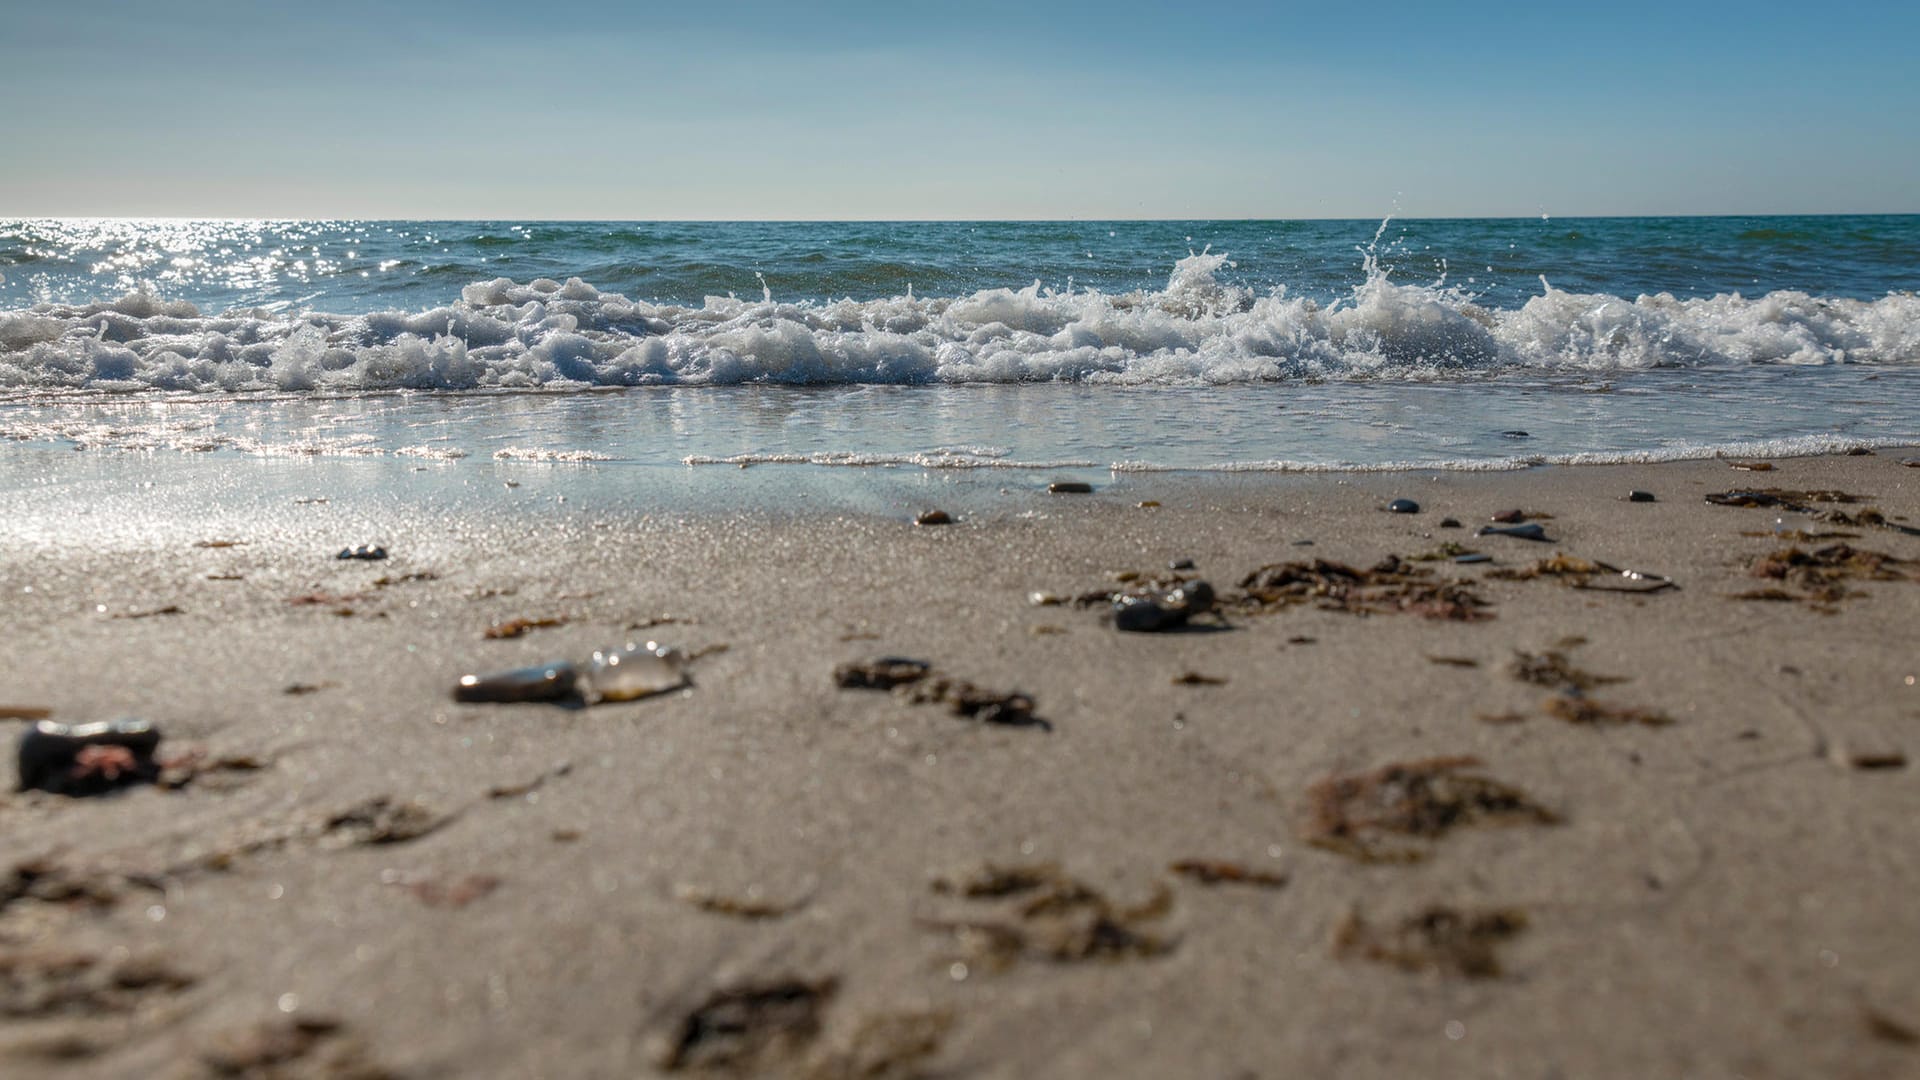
[(1147, 504), (1302, 639), (1403, 506), (556, 681), (170, 609), (1820, 575), (1468, 558), (219, 543), (1503, 718), (1453, 661), (1911, 462), (66, 983), (746, 1028), (382, 820), (201, 769), (298, 689), (1070, 487), (1450, 523), (513, 628), (87, 759), (1180, 564), (1515, 434), (1578, 573), (388, 580), (1194, 678), (916, 682), (312, 501), (1046, 629), (454, 894), (1394, 813), (365, 552), (304, 1045), (934, 517), (1867, 752), (1448, 551), (1887, 1029), (1751, 466), (1040, 913), (886, 1046), (1530, 531), (1552, 669), (1577, 708), (1438, 938), (1155, 612), (1868, 518), (24, 712), (634, 671), (226, 577), (47, 882), (1509, 517), (752, 905), (884, 673), (1392, 585), (524, 787), (1798, 501), (1221, 872), (1637, 495)]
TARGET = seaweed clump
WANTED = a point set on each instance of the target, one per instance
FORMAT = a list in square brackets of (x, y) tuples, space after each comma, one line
[(1819, 577), (1043, 914), (1441, 939), (917, 683), (748, 1027), (1359, 814), (1390, 586)]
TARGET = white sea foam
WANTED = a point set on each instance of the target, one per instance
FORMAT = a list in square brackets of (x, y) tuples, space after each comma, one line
[(555, 335)]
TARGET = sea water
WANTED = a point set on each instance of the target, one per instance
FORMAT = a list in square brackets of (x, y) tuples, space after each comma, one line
[(999, 349)]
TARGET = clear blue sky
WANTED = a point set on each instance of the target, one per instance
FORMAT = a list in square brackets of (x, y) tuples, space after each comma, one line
[(585, 109)]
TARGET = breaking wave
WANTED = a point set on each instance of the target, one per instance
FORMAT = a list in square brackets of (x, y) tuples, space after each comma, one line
[(547, 334)]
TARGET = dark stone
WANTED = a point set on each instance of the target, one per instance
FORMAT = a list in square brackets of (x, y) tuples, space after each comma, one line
[(1515, 434), (87, 759), (366, 552), (882, 674), (542, 682), (1518, 532), (1509, 517), (1637, 495), (1070, 487), (1449, 523), (1162, 611), (934, 517), (1180, 564), (1403, 506)]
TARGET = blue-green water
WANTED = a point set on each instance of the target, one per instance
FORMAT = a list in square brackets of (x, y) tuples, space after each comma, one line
[(1138, 345)]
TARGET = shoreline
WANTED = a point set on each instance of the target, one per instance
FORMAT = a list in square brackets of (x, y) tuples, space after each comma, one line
[(553, 891)]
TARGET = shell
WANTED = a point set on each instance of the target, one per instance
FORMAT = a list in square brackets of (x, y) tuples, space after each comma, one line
[(542, 682), (633, 672)]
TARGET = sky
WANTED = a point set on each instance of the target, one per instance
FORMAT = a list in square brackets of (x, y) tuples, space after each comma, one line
[(750, 110)]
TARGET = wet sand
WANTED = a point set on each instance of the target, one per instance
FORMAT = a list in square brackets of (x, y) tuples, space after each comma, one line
[(366, 878)]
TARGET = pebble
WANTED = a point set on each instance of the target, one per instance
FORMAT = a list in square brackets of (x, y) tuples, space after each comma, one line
[(1070, 487), (1509, 517), (1180, 564), (367, 552), (1518, 532), (49, 755), (1162, 611), (542, 682), (934, 517), (1449, 523), (1636, 495), (1403, 506)]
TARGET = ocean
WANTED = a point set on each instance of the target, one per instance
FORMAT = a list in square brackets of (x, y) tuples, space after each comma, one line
[(994, 349)]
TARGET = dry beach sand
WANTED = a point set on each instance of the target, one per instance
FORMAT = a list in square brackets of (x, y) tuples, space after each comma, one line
[(767, 874)]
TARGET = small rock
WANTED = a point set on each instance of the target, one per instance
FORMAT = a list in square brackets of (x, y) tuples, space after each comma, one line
[(1518, 532), (1859, 451), (1302, 543), (87, 759), (1162, 611), (1450, 523), (1515, 434), (1509, 517), (1636, 495), (365, 552), (1180, 564), (1070, 487), (934, 517), (1403, 506), (542, 682)]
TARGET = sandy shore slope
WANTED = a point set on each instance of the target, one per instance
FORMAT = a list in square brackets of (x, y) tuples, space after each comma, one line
[(368, 879)]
